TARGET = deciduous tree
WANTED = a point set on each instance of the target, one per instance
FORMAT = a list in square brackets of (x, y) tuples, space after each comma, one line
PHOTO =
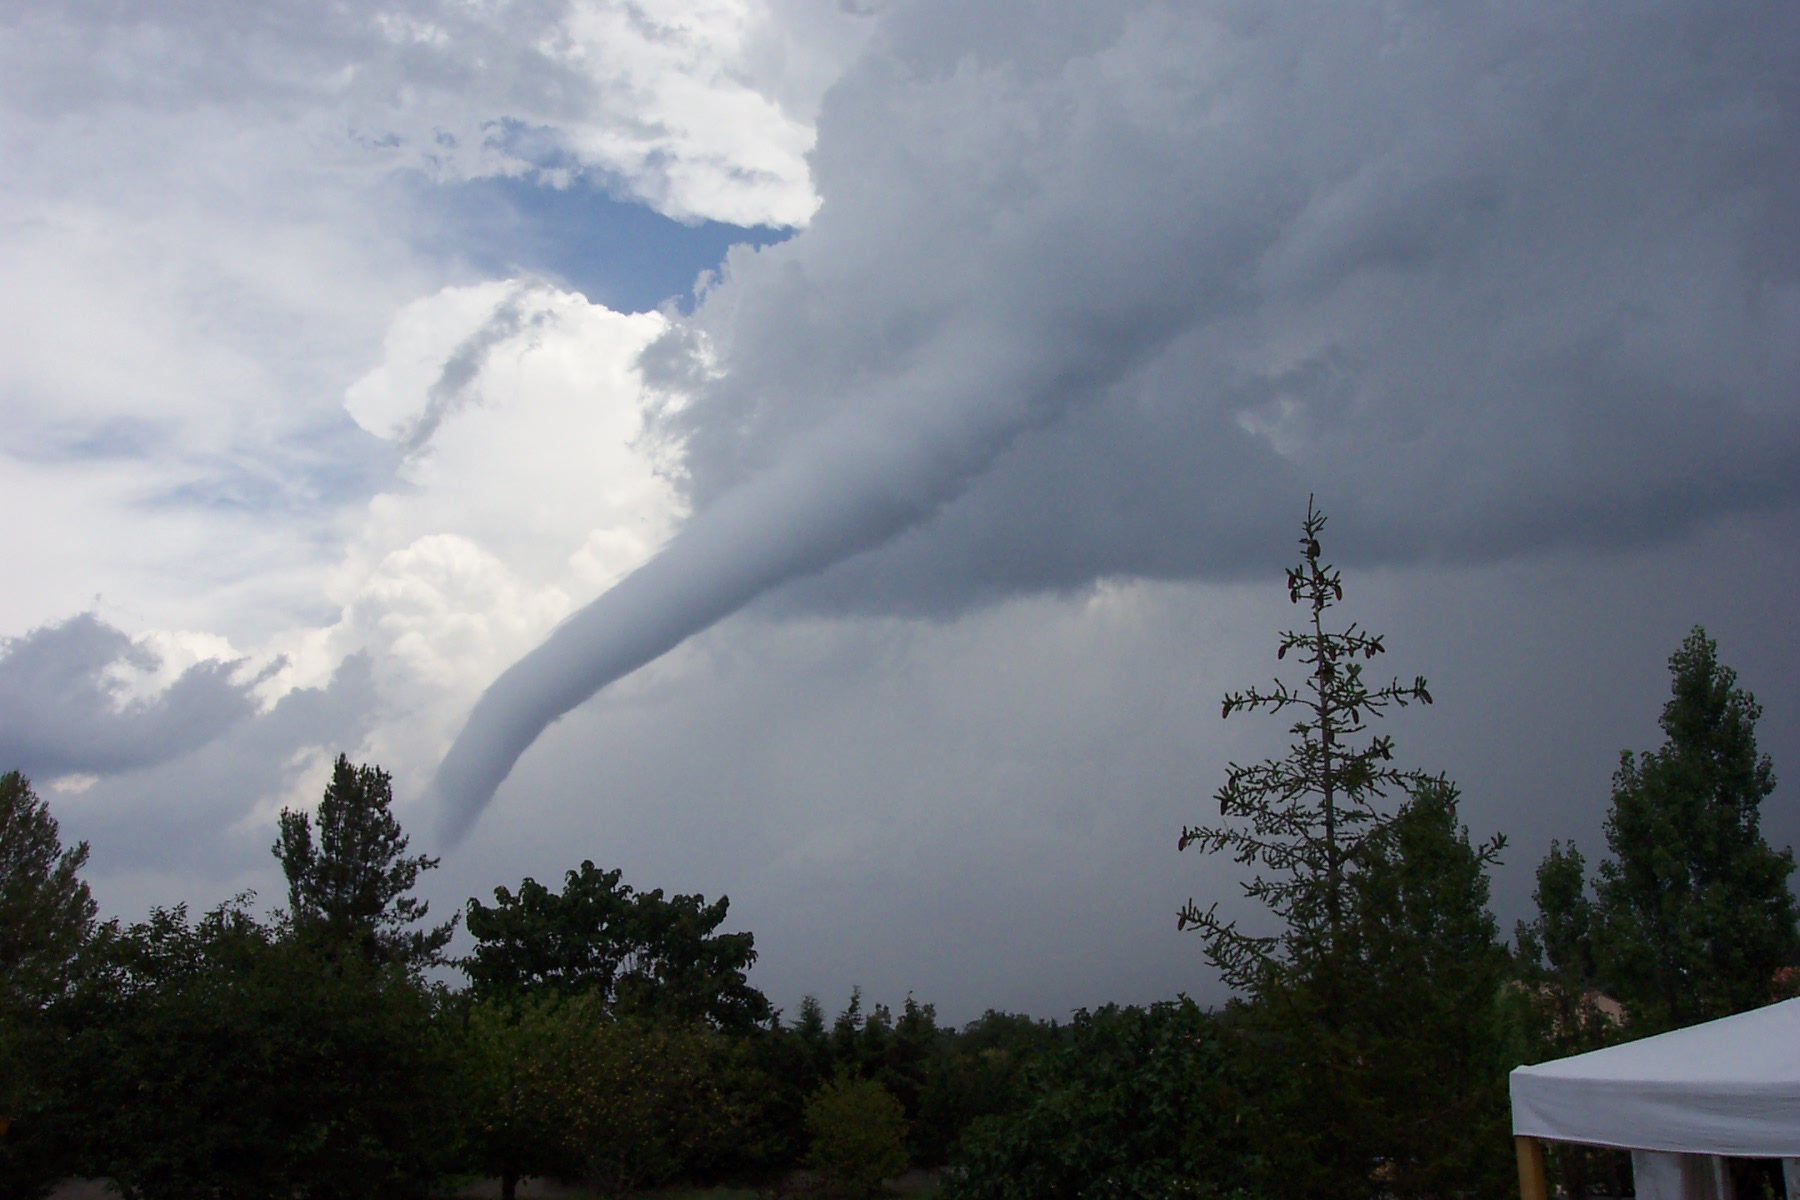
[(45, 909), (218, 1058), (639, 952), (1125, 1102), (858, 1134), (46, 915)]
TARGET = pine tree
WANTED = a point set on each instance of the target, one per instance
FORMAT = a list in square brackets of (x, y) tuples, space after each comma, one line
[(1695, 915), (1309, 811), (1383, 928), (354, 885)]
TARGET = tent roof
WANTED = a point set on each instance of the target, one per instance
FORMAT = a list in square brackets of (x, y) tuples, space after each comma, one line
[(1730, 1086)]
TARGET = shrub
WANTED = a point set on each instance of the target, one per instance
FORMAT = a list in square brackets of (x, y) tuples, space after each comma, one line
[(858, 1134)]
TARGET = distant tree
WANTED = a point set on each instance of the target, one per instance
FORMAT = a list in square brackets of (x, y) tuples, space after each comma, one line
[(982, 1070), (808, 1032), (1309, 811), (909, 1063), (640, 953), (846, 1035), (1695, 914), (353, 885), (1555, 962), (858, 1135), (796, 1059)]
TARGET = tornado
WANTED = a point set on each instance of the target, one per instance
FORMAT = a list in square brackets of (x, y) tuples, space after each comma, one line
[(856, 481)]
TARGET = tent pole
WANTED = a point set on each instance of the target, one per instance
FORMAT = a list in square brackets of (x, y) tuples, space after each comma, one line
[(1533, 1184)]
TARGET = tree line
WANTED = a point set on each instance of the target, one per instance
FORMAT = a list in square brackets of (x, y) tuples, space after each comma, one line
[(611, 1035)]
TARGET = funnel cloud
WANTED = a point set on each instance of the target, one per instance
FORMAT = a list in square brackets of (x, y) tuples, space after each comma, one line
[(1110, 300), (850, 485)]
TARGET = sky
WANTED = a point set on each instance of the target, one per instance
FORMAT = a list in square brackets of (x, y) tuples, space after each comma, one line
[(837, 455)]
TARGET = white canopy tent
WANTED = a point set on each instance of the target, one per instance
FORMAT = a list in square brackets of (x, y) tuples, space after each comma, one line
[(1728, 1087)]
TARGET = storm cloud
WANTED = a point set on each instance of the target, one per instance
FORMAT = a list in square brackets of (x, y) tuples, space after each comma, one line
[(66, 705), (347, 355), (1102, 300)]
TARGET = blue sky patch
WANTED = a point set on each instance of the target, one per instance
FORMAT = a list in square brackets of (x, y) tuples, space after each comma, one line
[(615, 252)]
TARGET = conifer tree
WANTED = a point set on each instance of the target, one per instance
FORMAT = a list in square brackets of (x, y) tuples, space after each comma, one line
[(1695, 915), (1309, 811), (354, 884), (1429, 969), (1556, 962), (1370, 1036)]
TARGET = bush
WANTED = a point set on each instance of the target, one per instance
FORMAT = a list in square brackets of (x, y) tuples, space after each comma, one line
[(858, 1134), (1130, 1102)]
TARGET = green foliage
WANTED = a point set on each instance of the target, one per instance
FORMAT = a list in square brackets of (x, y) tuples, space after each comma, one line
[(639, 953), (1696, 915), (352, 888), (1388, 1076), (649, 1100), (1555, 962), (858, 1132), (563, 1087), (46, 916), (45, 910), (1371, 1047), (983, 1070), (215, 1059), (1690, 919), (908, 1055), (510, 1062), (1309, 811), (1130, 1102), (814, 1049), (1428, 1009)]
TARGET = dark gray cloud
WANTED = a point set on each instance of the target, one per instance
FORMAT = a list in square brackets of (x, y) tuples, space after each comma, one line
[(1106, 298), (1489, 281), (984, 811), (207, 817), (62, 712)]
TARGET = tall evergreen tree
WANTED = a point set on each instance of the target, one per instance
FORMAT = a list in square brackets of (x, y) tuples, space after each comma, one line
[(353, 886), (1374, 915), (1427, 1009), (1308, 811), (1695, 914)]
